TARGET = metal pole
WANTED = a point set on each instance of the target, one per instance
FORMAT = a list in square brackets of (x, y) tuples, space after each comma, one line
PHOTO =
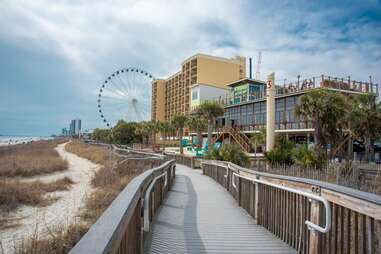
[(298, 81), (110, 151), (110, 156)]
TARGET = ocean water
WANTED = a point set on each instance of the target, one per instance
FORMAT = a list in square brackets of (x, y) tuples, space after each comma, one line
[(14, 140)]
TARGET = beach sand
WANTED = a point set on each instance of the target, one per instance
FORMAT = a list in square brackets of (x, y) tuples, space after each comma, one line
[(61, 212)]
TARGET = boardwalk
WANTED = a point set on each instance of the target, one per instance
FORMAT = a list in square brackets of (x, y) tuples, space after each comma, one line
[(199, 216)]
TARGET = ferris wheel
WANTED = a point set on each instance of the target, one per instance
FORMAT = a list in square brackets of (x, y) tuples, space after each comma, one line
[(125, 95)]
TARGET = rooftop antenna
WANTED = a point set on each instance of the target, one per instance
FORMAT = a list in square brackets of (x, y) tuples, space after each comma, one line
[(250, 68), (259, 60)]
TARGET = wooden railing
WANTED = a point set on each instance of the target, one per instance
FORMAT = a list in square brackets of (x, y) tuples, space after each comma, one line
[(189, 161), (356, 175), (120, 227), (355, 215), (240, 138)]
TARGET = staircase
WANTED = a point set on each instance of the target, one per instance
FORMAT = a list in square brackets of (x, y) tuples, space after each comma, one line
[(220, 133), (240, 138)]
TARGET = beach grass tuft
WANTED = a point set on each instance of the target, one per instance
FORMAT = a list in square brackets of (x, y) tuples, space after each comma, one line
[(35, 158), (14, 193)]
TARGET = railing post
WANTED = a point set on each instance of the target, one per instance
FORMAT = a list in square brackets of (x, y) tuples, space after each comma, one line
[(140, 226), (315, 236), (251, 198), (228, 179), (239, 191), (256, 203)]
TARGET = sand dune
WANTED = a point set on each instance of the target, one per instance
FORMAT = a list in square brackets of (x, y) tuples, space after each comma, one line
[(63, 211)]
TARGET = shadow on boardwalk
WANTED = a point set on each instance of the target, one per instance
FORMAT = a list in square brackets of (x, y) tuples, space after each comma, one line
[(200, 216)]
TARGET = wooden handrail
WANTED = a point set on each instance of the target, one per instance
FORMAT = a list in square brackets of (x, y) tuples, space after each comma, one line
[(355, 214), (190, 161), (311, 226), (241, 138), (119, 228)]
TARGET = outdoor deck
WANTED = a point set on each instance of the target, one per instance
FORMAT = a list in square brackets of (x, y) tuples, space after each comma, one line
[(200, 216)]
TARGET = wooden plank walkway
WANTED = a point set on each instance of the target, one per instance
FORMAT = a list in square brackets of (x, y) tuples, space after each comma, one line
[(200, 216)]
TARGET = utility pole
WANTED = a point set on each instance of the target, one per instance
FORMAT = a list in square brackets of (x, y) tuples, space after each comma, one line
[(298, 81)]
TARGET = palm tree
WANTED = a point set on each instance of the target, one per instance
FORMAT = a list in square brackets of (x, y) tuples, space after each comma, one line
[(198, 124), (367, 123), (163, 129), (258, 138), (327, 111), (178, 122), (310, 108), (144, 130), (211, 110), (154, 127)]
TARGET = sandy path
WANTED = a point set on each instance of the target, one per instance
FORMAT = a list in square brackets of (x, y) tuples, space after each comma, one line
[(60, 212)]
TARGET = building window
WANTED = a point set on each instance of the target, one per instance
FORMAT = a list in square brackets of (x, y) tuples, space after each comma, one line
[(194, 95)]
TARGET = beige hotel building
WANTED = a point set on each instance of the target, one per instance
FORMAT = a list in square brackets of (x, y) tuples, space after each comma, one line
[(171, 96)]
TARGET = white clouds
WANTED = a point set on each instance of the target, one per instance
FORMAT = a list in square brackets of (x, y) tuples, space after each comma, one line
[(97, 37), (79, 43)]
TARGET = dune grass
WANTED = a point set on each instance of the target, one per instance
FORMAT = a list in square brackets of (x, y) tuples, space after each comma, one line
[(27, 160), (14, 193), (59, 241), (107, 185), (94, 153), (31, 159)]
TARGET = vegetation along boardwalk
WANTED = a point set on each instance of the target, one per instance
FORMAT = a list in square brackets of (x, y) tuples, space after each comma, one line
[(200, 216)]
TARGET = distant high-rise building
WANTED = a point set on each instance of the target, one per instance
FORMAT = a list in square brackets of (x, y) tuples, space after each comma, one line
[(75, 126), (64, 132)]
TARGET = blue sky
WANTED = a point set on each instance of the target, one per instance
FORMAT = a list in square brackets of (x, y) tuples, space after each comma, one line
[(54, 55)]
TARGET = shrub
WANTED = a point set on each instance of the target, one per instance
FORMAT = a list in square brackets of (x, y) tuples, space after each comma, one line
[(282, 153), (305, 158), (214, 154), (230, 152)]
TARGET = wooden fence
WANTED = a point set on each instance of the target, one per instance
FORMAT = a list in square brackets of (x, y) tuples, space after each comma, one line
[(361, 176), (355, 215), (119, 229)]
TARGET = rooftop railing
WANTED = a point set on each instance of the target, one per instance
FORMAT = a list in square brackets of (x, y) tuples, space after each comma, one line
[(301, 86), (327, 82)]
